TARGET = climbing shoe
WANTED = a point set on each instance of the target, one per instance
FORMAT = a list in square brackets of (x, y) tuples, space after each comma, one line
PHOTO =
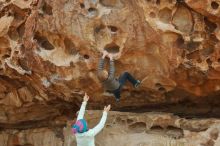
[(137, 84)]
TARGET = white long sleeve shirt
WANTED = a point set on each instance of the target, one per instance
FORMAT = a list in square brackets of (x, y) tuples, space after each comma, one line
[(88, 138)]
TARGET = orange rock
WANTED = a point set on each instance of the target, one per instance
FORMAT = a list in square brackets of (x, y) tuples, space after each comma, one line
[(49, 52)]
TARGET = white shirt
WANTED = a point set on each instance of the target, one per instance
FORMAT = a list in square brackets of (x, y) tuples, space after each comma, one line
[(88, 138)]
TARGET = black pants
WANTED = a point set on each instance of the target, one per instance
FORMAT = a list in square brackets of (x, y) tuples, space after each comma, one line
[(122, 80)]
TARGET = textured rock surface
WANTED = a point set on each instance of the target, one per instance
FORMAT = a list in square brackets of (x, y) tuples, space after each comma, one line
[(126, 129), (49, 51)]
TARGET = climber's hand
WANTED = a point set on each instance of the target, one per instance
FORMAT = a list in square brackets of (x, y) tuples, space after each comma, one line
[(86, 97), (104, 54), (107, 108)]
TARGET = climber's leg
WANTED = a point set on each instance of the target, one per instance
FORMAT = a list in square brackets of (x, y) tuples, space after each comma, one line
[(117, 94), (127, 76)]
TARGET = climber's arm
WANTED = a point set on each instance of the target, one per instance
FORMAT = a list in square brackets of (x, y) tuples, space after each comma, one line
[(102, 61), (111, 67)]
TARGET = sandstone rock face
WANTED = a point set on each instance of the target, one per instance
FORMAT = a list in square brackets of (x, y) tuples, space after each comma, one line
[(49, 51), (126, 129)]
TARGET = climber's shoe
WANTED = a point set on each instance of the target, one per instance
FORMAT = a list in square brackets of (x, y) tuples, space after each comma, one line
[(137, 84), (117, 99)]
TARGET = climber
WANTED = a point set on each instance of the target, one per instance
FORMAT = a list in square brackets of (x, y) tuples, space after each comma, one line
[(85, 136), (110, 83)]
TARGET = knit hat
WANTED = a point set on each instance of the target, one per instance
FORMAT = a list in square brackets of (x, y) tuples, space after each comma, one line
[(80, 126)]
